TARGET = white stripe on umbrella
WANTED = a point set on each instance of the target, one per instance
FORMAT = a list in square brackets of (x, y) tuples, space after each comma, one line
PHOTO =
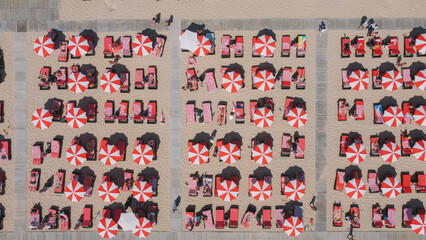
[(420, 115), (358, 80), (264, 80), (227, 190), (393, 116), (143, 228), (76, 155), (293, 226), (229, 153), (43, 46), (355, 188), (421, 43), (78, 46), (142, 191), (198, 154), (74, 191), (418, 224), (142, 45), (390, 152), (392, 80), (391, 187), (203, 47), (294, 190), (110, 82), (262, 154), (76, 118), (265, 45), (419, 150), (109, 154), (420, 80), (77, 82), (42, 118), (356, 153), (261, 190), (108, 191), (232, 81), (107, 228), (263, 117), (297, 117), (143, 154)]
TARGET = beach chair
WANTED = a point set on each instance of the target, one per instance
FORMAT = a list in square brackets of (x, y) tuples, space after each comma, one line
[(226, 40), (300, 79), (239, 46), (121, 145), (123, 112), (377, 217), (372, 181), (254, 52), (91, 50), (340, 180), (193, 186), (159, 46), (378, 113), (88, 185), (301, 46), (91, 77), (374, 146), (137, 111), (151, 142), (407, 216), (409, 49), (253, 107), (108, 40), (248, 216), (65, 223), (288, 106), (346, 47), (106, 213), (34, 219), (393, 47), (337, 215), (55, 149), (420, 185), (406, 182), (63, 52), (127, 181), (117, 214), (109, 112), (52, 219), (340, 115), (126, 43), (207, 112), (405, 145), (189, 219), (207, 185), (408, 82), (239, 112), (190, 112), (355, 222), (208, 223), (61, 82), (377, 47), (139, 81), (285, 46), (86, 221), (91, 112), (286, 81), (221, 114), (344, 144), (55, 110), (298, 211), (285, 145), (391, 220), (345, 79), (377, 83), (254, 70), (91, 149), (124, 82), (152, 82), (220, 218), (359, 110), (34, 179), (359, 47), (211, 81), (279, 218), (218, 180), (191, 78), (152, 214), (44, 83), (36, 149), (300, 150), (266, 213)]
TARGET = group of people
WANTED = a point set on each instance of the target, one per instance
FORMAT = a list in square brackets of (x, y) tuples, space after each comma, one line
[(370, 25)]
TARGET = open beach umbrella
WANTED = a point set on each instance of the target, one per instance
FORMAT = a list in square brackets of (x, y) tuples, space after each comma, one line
[(293, 226), (109, 154), (229, 153), (265, 45), (297, 117), (76, 155), (43, 46), (263, 117), (42, 118), (110, 82), (198, 154), (294, 190), (420, 115), (227, 190), (390, 152), (392, 80), (261, 190), (356, 153), (76, 118), (421, 43), (355, 188), (143, 228), (142, 45), (74, 191), (232, 81), (420, 80), (128, 221), (203, 47), (391, 187), (188, 40), (142, 191), (419, 150), (358, 80), (143, 154), (418, 224), (393, 116), (107, 228), (262, 154), (78, 46), (77, 82), (108, 191), (264, 80)]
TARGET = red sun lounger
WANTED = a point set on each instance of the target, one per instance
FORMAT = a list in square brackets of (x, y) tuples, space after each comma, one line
[(233, 218), (63, 52), (137, 111), (127, 181), (87, 217), (239, 112), (62, 80), (117, 214), (377, 47), (372, 181), (123, 112), (285, 46), (45, 73), (289, 105), (378, 113), (226, 40), (420, 186), (108, 111), (190, 112), (344, 144), (345, 79), (91, 112), (279, 218), (139, 81), (159, 46), (33, 183), (359, 110), (58, 186), (106, 213), (346, 47), (301, 79), (406, 183), (239, 46), (221, 114), (191, 78), (55, 149), (253, 107), (34, 218), (393, 47), (220, 219), (377, 217), (91, 77), (208, 223), (340, 115), (391, 221), (405, 144), (254, 52), (359, 47), (300, 151), (340, 181), (409, 49), (121, 145), (267, 218), (211, 82), (377, 84), (152, 82), (192, 187), (355, 222), (90, 149), (337, 215), (406, 77), (408, 216), (88, 185), (108, 40), (189, 220), (286, 81), (4, 151), (126, 43), (207, 111), (286, 145), (124, 82), (36, 154)]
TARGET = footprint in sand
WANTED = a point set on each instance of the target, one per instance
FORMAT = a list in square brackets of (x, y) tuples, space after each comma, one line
[(110, 4)]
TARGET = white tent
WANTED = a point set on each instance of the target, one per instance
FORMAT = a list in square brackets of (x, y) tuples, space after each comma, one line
[(128, 221), (188, 41)]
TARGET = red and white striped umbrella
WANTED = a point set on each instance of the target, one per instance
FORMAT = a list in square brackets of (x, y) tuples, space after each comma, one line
[(227, 190), (43, 46), (229, 153), (262, 154), (263, 117), (420, 115), (108, 191), (42, 118), (143, 228), (265, 45), (261, 190), (392, 80), (420, 80), (107, 228), (355, 188), (293, 226), (142, 191), (76, 155), (109, 154), (393, 116), (390, 152), (203, 47), (297, 117), (419, 150), (418, 224), (74, 191), (142, 45), (294, 190), (264, 80), (358, 80), (232, 81), (78, 46), (110, 82), (77, 82), (421, 43), (391, 187), (356, 153), (143, 154), (76, 118), (198, 154)]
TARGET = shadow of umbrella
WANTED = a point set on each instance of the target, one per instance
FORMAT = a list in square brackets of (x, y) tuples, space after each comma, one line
[(84, 101), (237, 68), (417, 31), (385, 170), (150, 135), (266, 66), (415, 67), (117, 176), (60, 37), (267, 32), (293, 171), (349, 170), (355, 66), (92, 33), (232, 136), (417, 101), (387, 102), (116, 137), (416, 135), (194, 27), (203, 137), (384, 136), (414, 204), (261, 172), (85, 137), (387, 66), (229, 172), (150, 33)]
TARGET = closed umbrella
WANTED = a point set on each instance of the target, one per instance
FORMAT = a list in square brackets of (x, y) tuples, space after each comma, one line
[(262, 154), (43, 46)]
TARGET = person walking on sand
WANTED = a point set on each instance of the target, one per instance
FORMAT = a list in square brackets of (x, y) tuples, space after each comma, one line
[(364, 22), (350, 234), (176, 204), (312, 204)]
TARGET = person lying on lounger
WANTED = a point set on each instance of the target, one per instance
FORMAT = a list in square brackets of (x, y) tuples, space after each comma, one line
[(63, 50)]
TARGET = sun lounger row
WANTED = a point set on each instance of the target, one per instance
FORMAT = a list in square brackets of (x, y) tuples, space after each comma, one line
[(356, 112), (294, 145), (154, 46), (353, 215), (57, 107), (139, 114), (55, 218), (5, 150)]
